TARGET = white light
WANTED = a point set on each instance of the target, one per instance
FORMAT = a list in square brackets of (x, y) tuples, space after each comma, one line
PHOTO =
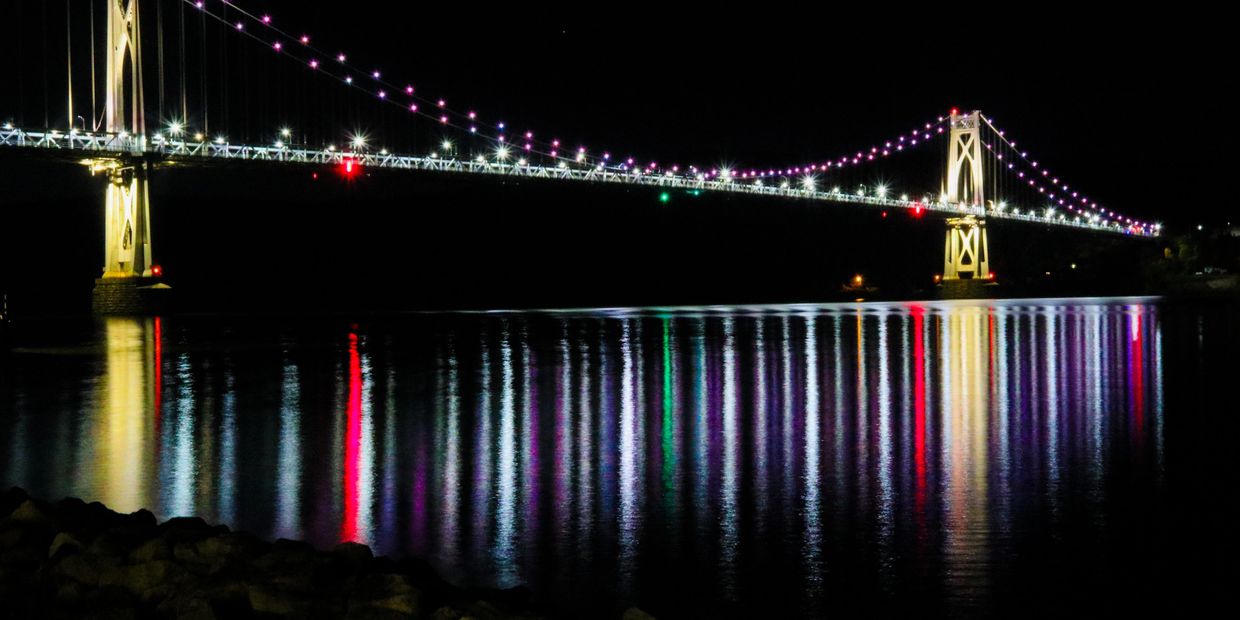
[(808, 183), (175, 128), (881, 191), (357, 141), (521, 162), (447, 145), (279, 144), (501, 153), (220, 140), (286, 132)]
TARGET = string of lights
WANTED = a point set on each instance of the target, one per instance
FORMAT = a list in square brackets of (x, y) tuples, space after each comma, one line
[(1045, 182), (917, 136)]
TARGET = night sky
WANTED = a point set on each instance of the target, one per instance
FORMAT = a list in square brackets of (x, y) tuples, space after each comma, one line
[(1128, 107), (1112, 101)]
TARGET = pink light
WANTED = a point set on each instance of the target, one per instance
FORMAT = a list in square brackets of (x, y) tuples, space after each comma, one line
[(473, 115), (413, 107), (314, 64), (443, 119), (305, 39), (278, 46), (240, 26), (375, 75), (408, 90), (383, 94), (341, 58), (442, 103), (266, 19)]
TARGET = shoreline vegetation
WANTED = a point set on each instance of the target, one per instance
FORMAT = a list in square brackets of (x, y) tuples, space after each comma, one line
[(71, 559)]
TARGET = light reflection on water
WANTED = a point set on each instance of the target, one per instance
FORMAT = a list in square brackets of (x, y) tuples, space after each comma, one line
[(808, 457)]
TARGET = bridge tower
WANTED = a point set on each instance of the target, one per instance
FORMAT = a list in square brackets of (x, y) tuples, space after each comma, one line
[(966, 251), (129, 272)]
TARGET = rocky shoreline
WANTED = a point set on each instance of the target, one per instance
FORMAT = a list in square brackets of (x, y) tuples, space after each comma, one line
[(71, 559)]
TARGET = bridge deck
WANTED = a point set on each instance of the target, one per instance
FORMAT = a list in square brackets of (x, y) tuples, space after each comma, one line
[(86, 145)]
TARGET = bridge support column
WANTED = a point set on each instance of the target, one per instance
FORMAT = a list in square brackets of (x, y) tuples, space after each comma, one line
[(129, 284), (966, 259), (967, 250)]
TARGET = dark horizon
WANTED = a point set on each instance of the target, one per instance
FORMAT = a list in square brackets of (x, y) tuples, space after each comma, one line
[(1108, 105)]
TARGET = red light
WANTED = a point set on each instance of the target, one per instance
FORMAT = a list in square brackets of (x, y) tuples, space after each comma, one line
[(955, 111), (916, 209), (884, 214), (350, 168), (157, 271)]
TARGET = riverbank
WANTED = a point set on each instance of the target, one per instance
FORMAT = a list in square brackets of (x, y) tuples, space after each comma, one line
[(70, 559)]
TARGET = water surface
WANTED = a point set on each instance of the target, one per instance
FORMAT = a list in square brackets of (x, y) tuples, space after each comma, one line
[(966, 458)]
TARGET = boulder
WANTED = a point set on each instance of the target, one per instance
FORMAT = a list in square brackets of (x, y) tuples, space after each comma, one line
[(278, 601), (150, 581), (634, 613), (33, 513), (151, 550), (10, 500), (386, 591), (354, 556), (63, 544)]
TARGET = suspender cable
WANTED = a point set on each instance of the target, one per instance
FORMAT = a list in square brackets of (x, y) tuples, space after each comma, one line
[(202, 74), (159, 59), (69, 58), (94, 112), (181, 74), (43, 65)]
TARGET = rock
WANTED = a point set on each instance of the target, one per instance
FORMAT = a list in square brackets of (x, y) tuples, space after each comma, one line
[(278, 601), (634, 613), (356, 557), (211, 555), (80, 568), (30, 512), (64, 542), (386, 591), (188, 529), (10, 500), (447, 613), (150, 581), (151, 550), (376, 613), (195, 609)]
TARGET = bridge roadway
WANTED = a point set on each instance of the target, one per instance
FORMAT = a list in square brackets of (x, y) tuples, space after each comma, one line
[(94, 145)]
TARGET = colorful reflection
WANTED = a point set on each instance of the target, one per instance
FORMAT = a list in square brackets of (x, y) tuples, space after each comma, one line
[(840, 453)]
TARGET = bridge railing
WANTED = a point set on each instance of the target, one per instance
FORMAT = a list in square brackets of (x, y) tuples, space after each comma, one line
[(106, 145)]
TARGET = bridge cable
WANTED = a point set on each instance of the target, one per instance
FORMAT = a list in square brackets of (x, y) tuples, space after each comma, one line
[(43, 65), (181, 75), (159, 59), (69, 59), (202, 73), (94, 109)]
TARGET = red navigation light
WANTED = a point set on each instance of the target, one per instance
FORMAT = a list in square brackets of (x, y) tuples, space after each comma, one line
[(157, 271), (955, 111), (916, 209), (350, 168), (884, 214)]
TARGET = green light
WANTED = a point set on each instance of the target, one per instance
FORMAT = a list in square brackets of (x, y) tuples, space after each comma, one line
[(665, 197), (697, 192)]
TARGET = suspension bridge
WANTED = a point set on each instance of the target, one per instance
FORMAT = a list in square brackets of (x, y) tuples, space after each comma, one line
[(985, 175)]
